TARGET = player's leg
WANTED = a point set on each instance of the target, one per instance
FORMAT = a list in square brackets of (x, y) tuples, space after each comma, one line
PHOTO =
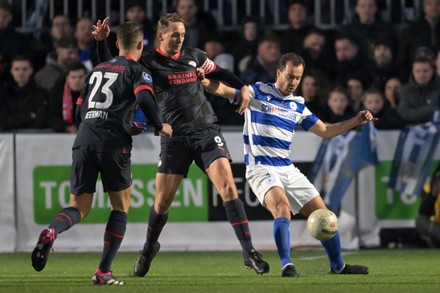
[(175, 159), (64, 220), (82, 183), (332, 246), (117, 181), (113, 236), (166, 187), (277, 203), (213, 157), (220, 174)]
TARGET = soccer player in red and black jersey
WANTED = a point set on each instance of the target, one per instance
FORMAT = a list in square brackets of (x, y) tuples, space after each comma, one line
[(196, 136), (103, 143)]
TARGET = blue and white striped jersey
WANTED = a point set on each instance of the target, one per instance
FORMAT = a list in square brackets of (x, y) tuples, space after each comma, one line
[(270, 122)]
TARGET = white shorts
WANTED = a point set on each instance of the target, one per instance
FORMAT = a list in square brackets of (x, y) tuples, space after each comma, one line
[(298, 188)]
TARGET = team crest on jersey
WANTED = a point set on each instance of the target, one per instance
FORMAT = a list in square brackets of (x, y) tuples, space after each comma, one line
[(146, 77), (192, 63), (292, 105), (113, 60)]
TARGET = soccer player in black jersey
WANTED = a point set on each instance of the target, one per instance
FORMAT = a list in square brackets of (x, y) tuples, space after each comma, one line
[(196, 137), (103, 143)]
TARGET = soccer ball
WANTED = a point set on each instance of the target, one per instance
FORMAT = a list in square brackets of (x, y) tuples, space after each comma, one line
[(322, 224)]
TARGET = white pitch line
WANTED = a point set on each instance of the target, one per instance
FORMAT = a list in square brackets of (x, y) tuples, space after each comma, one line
[(323, 256)]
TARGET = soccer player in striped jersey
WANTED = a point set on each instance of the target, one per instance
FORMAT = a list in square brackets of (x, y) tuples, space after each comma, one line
[(270, 121), (196, 136), (111, 93)]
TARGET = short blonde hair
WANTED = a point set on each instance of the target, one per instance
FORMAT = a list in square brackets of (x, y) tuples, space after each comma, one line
[(165, 20)]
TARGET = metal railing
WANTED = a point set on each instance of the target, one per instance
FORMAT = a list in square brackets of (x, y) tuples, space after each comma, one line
[(273, 13)]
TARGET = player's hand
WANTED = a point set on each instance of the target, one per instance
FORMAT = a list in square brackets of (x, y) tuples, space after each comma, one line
[(200, 73), (243, 99), (166, 130), (138, 128), (365, 116), (101, 30)]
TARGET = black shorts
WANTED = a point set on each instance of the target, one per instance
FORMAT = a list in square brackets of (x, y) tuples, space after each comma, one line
[(202, 145), (115, 169)]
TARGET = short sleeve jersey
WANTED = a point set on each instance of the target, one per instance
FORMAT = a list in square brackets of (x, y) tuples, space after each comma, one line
[(270, 122), (108, 103), (178, 91)]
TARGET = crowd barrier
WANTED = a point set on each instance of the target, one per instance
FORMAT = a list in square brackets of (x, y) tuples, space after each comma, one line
[(34, 176)]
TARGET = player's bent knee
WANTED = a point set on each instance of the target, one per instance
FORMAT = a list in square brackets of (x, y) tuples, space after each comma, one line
[(281, 210)]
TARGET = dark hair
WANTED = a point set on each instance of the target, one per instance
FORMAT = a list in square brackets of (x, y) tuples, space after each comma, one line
[(292, 57), (74, 66), (22, 58), (164, 22), (134, 3), (373, 91), (67, 42), (342, 90), (424, 59), (126, 34), (4, 4), (270, 37)]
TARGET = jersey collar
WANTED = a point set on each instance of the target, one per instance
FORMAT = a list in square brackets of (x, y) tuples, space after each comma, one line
[(158, 50), (129, 58)]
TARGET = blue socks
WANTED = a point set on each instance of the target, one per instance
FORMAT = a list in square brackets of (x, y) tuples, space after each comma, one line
[(333, 249), (281, 235)]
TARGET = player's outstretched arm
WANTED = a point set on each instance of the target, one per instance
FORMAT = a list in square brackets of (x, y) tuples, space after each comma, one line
[(243, 97), (330, 130), (101, 31), (218, 89)]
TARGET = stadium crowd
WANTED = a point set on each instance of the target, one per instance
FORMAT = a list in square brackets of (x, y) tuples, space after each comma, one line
[(366, 63)]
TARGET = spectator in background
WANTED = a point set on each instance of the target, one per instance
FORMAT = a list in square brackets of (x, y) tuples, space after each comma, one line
[(366, 24), (247, 46), (299, 26), (383, 65), (338, 106), (420, 95), (313, 89), (316, 53), (63, 98), (23, 103), (216, 52), (199, 24), (393, 87), (11, 42), (66, 52), (424, 32), (428, 221), (224, 110), (86, 43), (60, 28), (350, 59), (355, 87), (263, 66), (374, 101), (135, 11)]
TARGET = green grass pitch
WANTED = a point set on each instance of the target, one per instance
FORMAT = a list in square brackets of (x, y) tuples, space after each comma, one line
[(401, 270)]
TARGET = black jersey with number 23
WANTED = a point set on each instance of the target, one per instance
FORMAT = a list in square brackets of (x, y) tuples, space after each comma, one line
[(108, 103)]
